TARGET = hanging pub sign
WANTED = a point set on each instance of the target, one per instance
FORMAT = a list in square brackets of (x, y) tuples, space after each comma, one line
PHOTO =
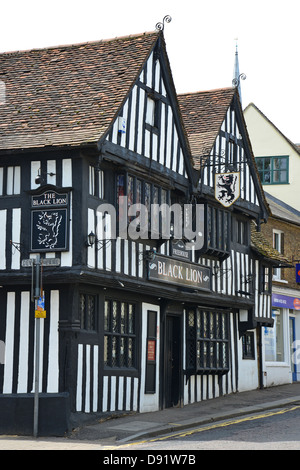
[(49, 221), (227, 187), (175, 271)]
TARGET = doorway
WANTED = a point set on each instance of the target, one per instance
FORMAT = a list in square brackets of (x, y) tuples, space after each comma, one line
[(292, 348), (173, 368)]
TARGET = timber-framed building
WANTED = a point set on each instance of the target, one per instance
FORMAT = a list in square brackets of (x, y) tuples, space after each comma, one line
[(131, 324)]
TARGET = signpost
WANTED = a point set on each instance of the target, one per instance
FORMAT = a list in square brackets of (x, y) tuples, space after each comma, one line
[(40, 313)]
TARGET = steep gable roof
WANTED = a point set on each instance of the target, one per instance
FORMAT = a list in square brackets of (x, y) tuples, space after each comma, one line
[(68, 95), (203, 113)]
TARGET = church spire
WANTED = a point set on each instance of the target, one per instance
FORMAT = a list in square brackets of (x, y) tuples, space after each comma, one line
[(237, 76)]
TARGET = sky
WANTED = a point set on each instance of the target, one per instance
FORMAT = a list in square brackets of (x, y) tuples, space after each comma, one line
[(201, 41)]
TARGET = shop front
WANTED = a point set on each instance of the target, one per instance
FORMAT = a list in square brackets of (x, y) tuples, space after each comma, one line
[(280, 342)]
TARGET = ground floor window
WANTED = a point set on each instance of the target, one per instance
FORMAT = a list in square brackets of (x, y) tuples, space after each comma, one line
[(88, 312), (119, 334), (207, 341), (274, 347), (248, 345)]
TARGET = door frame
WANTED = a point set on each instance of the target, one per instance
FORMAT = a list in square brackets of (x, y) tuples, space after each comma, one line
[(292, 321), (165, 398)]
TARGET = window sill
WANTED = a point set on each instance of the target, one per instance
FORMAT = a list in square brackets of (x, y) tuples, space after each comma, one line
[(282, 281)]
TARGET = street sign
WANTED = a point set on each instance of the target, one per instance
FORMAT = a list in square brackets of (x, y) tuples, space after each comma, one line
[(27, 263)]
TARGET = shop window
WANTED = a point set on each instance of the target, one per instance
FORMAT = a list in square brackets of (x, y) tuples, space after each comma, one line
[(274, 347), (207, 341), (119, 334), (248, 345), (88, 312)]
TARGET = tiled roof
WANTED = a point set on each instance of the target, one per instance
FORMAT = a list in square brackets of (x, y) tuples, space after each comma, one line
[(68, 95), (281, 210), (203, 114), (261, 245)]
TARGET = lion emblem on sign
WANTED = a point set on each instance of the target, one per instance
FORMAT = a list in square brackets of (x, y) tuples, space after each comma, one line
[(227, 188)]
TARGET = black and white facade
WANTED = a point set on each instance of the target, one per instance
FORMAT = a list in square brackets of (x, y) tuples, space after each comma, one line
[(131, 324)]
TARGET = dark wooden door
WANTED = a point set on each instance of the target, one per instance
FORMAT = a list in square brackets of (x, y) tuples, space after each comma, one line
[(172, 361)]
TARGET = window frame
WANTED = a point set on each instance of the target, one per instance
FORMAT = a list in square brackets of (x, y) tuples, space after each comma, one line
[(149, 193), (207, 351), (248, 345), (96, 182), (279, 246), (84, 319), (272, 170), (115, 338)]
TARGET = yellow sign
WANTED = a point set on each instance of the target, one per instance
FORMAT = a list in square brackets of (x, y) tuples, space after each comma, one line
[(40, 313)]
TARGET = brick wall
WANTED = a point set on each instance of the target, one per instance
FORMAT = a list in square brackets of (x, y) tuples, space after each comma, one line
[(291, 247)]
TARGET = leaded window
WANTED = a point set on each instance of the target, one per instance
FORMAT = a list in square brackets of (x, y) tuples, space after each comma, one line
[(207, 341), (88, 312), (217, 229), (119, 334)]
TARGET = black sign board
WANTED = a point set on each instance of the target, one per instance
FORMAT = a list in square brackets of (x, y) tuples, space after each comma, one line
[(48, 199), (179, 250), (49, 221), (178, 272)]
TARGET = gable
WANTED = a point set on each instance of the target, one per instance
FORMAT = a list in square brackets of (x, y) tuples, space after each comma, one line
[(149, 126), (266, 138), (220, 144)]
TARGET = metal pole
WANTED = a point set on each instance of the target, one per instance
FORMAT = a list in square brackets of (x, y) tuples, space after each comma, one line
[(37, 349)]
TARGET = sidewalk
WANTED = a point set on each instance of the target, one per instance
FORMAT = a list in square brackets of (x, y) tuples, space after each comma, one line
[(140, 426)]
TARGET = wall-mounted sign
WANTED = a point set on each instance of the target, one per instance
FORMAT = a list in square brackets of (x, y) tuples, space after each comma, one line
[(298, 272), (285, 301), (178, 272), (227, 188), (48, 199), (49, 221), (179, 250), (151, 346)]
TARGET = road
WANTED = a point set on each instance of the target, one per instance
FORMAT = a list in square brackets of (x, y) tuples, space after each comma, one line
[(277, 429)]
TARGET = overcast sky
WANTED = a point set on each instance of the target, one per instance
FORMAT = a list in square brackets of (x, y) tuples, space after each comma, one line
[(200, 39)]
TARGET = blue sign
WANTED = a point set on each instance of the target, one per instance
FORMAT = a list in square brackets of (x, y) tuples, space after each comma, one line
[(298, 272)]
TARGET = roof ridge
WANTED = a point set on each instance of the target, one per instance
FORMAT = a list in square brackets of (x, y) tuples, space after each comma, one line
[(81, 44), (207, 91)]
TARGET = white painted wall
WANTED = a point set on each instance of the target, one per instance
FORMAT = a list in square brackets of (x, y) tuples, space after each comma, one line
[(267, 140), (149, 401)]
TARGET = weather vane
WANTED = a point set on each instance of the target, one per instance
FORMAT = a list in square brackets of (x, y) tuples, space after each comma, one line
[(160, 26)]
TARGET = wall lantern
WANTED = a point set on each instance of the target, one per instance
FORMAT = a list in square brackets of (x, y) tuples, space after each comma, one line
[(91, 239)]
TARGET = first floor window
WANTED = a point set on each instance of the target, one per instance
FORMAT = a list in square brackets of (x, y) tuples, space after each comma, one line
[(207, 341), (273, 170), (119, 334), (96, 182)]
